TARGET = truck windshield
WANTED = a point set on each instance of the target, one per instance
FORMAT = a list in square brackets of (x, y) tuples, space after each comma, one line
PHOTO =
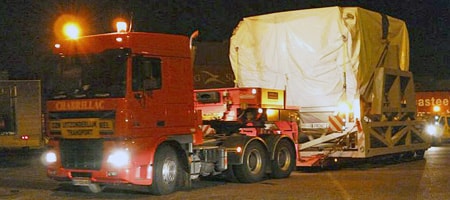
[(99, 75)]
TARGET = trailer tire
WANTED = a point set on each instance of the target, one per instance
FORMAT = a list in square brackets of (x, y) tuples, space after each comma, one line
[(254, 164), (166, 171), (284, 160)]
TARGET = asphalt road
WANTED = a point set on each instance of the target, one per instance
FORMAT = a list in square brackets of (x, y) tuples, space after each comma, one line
[(23, 177)]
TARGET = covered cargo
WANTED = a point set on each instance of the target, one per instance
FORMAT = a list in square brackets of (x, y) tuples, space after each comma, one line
[(307, 52), (328, 57)]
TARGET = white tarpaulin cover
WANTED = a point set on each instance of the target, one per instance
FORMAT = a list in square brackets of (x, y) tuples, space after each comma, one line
[(307, 52)]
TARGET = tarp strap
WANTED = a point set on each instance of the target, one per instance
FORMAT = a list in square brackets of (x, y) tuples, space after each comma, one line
[(384, 36), (384, 26)]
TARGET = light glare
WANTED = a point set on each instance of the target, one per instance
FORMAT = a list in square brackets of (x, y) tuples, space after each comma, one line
[(71, 30), (431, 130), (119, 158), (436, 108), (343, 107), (121, 27), (50, 157)]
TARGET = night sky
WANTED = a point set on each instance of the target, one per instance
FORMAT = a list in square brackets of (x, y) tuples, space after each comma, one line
[(27, 26)]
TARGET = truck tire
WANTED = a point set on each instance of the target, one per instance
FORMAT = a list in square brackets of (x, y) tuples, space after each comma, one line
[(284, 160), (166, 171), (254, 164)]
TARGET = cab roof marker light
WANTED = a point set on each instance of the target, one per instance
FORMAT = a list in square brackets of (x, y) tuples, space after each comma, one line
[(72, 30), (121, 27), (253, 91)]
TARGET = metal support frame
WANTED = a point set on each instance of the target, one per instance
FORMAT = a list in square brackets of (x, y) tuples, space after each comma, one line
[(389, 122)]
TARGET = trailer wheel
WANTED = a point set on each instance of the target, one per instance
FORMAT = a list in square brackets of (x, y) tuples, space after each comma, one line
[(166, 171), (284, 161), (254, 164)]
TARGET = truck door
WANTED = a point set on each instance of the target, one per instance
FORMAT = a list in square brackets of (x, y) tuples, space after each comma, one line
[(148, 91), (162, 90)]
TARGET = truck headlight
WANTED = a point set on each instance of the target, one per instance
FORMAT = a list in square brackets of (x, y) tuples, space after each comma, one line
[(431, 130), (49, 157), (119, 158)]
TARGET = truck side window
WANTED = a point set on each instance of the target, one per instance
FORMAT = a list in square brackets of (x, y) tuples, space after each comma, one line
[(146, 70)]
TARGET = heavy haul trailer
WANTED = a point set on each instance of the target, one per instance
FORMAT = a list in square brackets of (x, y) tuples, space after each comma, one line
[(347, 70), (20, 115), (120, 110)]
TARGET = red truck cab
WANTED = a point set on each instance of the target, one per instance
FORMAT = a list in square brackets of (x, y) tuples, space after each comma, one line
[(112, 100)]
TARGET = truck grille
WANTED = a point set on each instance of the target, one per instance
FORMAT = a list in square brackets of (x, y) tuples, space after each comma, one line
[(82, 154)]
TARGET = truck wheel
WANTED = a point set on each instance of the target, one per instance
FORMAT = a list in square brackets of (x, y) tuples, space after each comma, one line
[(254, 164), (284, 161), (166, 171)]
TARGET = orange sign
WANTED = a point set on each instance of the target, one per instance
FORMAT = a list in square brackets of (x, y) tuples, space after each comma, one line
[(426, 100)]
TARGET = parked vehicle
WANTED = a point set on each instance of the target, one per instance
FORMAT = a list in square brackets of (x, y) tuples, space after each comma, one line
[(20, 115)]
